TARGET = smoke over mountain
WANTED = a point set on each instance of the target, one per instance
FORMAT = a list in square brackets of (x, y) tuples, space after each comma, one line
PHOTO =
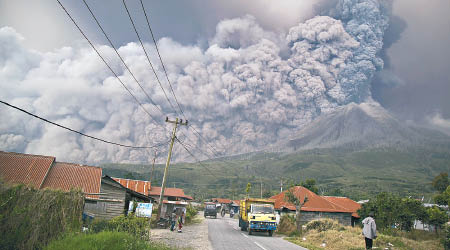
[(248, 89)]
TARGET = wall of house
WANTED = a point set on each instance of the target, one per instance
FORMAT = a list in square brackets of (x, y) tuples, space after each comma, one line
[(107, 209), (307, 216)]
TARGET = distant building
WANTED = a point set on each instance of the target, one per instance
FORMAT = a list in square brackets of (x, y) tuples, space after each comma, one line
[(341, 209)]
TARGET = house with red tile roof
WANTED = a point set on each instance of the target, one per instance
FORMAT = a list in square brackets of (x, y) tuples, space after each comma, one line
[(170, 194), (316, 207), (104, 197)]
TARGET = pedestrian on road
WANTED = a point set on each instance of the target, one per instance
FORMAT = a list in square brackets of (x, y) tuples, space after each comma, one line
[(369, 230), (173, 219), (180, 221)]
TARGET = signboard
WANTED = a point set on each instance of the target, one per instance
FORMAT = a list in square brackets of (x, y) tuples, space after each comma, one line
[(142, 209)]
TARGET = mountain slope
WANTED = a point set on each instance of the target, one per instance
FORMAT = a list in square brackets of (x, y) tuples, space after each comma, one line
[(359, 126)]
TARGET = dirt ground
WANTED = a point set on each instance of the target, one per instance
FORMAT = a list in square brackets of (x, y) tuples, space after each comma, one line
[(194, 236)]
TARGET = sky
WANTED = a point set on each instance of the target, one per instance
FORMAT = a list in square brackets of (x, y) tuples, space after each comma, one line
[(245, 74)]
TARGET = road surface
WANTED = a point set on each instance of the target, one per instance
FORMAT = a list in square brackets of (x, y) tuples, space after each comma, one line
[(224, 233)]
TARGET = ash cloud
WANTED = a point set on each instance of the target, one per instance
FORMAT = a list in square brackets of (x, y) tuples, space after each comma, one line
[(239, 93)]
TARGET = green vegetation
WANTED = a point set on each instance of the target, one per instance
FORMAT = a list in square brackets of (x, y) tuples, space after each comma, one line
[(136, 226), (30, 218), (357, 175), (329, 234), (104, 241)]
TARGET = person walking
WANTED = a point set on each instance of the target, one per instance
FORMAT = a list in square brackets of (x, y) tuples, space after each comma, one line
[(180, 221), (173, 219), (369, 230)]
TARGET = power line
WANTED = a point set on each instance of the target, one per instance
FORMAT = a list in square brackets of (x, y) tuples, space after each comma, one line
[(148, 58), (123, 61), (78, 132), (162, 63), (109, 67), (198, 161)]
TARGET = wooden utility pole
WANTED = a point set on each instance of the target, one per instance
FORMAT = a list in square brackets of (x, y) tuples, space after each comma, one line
[(260, 182), (163, 185), (153, 169)]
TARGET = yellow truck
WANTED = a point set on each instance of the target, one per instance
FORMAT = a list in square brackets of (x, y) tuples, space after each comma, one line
[(257, 215)]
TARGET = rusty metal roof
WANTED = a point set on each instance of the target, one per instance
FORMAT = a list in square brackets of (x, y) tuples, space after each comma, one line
[(24, 168), (315, 202), (66, 176), (169, 192), (136, 185), (346, 203)]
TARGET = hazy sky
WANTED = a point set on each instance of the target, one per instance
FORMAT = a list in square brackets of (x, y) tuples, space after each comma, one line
[(228, 57)]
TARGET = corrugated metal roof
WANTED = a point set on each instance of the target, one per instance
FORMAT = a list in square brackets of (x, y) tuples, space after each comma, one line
[(66, 176), (221, 200), (135, 185), (346, 203), (169, 192), (315, 202), (24, 168)]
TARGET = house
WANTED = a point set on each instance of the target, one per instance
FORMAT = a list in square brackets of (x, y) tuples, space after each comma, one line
[(222, 203), (104, 197), (341, 209), (174, 198)]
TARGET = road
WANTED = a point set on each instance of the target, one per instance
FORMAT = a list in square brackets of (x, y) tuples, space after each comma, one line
[(224, 233)]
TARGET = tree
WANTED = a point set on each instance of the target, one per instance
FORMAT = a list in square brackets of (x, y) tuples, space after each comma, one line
[(311, 185), (441, 182), (436, 217), (292, 198), (130, 176)]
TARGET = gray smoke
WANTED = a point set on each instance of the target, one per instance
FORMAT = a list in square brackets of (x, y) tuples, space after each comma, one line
[(239, 93)]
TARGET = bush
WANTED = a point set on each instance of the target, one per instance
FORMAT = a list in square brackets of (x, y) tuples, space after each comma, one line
[(30, 218), (323, 225), (103, 240), (446, 241), (191, 212), (136, 226), (287, 225)]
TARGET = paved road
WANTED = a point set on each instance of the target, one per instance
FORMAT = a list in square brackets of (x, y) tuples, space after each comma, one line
[(224, 233)]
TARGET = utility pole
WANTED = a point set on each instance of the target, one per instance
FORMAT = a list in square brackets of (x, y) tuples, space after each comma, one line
[(153, 168), (163, 185), (260, 181)]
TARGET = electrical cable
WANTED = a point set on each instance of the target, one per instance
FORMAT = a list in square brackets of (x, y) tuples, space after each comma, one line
[(146, 54), (198, 161), (81, 133), (109, 67), (123, 61)]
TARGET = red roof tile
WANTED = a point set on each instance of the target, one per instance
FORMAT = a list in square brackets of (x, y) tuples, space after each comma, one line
[(66, 176), (237, 202), (315, 202), (169, 192), (135, 185), (346, 203), (24, 168), (220, 200)]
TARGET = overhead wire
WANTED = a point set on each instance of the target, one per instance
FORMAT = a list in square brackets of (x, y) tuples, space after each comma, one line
[(168, 80), (103, 59), (80, 133), (198, 161), (118, 54), (146, 54)]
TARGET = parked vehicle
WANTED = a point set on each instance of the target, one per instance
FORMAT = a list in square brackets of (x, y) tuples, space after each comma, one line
[(257, 215), (210, 209)]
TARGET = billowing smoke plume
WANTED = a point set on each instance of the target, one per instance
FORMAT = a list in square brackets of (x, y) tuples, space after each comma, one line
[(239, 93)]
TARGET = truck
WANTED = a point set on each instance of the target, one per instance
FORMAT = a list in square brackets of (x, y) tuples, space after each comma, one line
[(257, 215)]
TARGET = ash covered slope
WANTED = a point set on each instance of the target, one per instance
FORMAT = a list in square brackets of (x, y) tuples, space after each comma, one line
[(365, 125)]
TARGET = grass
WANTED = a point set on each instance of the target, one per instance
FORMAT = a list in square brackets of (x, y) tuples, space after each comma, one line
[(339, 237), (105, 240)]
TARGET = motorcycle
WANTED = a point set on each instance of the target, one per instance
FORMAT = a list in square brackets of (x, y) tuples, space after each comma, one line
[(231, 213)]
